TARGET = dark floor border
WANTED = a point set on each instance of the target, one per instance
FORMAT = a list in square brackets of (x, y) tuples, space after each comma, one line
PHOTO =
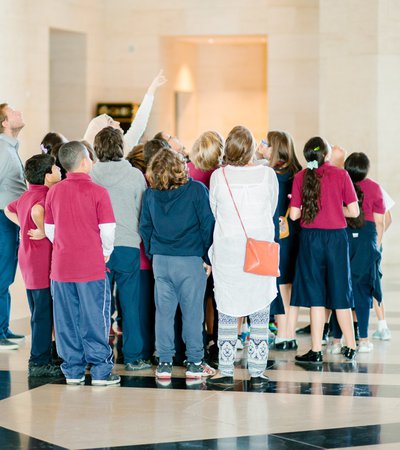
[(20, 384), (333, 438), (273, 387), (336, 367)]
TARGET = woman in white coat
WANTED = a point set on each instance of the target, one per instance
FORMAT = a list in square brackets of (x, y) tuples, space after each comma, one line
[(238, 293)]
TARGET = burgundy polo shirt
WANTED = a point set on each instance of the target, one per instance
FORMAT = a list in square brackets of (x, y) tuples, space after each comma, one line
[(34, 257), (77, 206), (336, 189), (373, 199)]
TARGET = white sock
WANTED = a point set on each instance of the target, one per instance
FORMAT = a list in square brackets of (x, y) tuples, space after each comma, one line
[(382, 325), (279, 340)]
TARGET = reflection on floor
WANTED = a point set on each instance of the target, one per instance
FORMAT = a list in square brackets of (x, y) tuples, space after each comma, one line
[(335, 405)]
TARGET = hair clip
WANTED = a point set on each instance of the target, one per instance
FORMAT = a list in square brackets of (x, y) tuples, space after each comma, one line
[(316, 149), (44, 149), (312, 165)]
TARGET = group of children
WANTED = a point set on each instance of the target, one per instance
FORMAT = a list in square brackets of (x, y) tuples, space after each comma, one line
[(84, 234)]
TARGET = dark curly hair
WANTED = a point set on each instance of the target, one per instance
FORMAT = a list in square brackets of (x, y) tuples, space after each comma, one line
[(37, 167), (315, 149), (357, 166)]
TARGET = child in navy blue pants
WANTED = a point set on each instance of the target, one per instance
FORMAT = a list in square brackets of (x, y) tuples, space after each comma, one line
[(34, 256), (176, 226), (80, 222), (322, 196), (365, 237)]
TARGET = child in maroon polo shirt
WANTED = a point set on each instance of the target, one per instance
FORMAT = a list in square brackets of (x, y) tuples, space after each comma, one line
[(80, 222), (34, 257)]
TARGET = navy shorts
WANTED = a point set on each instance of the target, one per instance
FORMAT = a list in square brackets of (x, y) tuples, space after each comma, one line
[(323, 275), (289, 248), (365, 259), (277, 306)]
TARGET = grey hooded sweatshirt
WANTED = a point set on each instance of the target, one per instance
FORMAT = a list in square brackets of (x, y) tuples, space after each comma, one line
[(126, 185)]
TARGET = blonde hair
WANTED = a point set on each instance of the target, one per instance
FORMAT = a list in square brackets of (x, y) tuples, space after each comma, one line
[(207, 151), (167, 170), (3, 115), (239, 147)]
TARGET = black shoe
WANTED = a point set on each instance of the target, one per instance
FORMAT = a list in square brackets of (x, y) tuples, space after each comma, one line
[(310, 357), (325, 334), (6, 344), (305, 330), (13, 337), (290, 344), (45, 371), (282, 346), (356, 332), (310, 366), (220, 382), (349, 353), (213, 356), (260, 381)]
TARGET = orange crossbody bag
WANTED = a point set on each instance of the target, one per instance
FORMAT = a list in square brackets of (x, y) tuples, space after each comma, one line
[(262, 257)]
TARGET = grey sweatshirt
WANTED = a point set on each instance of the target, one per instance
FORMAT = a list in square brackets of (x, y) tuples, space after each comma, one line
[(126, 185), (12, 180)]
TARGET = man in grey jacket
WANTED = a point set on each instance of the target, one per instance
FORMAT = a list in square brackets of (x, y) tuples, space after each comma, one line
[(12, 185)]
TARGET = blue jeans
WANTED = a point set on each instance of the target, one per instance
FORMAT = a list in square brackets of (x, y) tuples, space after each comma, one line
[(179, 280), (124, 269), (41, 306), (82, 322), (9, 240)]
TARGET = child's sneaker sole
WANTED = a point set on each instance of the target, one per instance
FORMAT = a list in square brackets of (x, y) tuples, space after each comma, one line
[(192, 375), (112, 379), (75, 381), (163, 376)]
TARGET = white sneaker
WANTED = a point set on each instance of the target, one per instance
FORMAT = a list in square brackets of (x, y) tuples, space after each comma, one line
[(383, 335), (335, 349), (239, 344), (75, 381), (365, 347)]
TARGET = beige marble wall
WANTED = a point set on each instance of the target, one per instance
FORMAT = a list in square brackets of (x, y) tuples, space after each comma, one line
[(215, 84), (359, 103), (125, 50), (68, 83), (139, 44), (24, 46)]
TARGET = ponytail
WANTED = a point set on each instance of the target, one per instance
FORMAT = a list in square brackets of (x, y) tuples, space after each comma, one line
[(314, 152), (357, 166), (358, 221)]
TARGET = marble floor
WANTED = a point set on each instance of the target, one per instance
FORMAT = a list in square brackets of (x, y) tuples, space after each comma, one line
[(339, 405)]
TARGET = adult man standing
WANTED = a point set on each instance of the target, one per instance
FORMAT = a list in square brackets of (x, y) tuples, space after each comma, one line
[(12, 185)]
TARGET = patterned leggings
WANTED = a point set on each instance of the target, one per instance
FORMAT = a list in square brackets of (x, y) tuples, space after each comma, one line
[(257, 354)]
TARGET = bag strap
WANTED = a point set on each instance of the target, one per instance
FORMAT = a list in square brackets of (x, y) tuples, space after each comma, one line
[(287, 213), (234, 203)]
